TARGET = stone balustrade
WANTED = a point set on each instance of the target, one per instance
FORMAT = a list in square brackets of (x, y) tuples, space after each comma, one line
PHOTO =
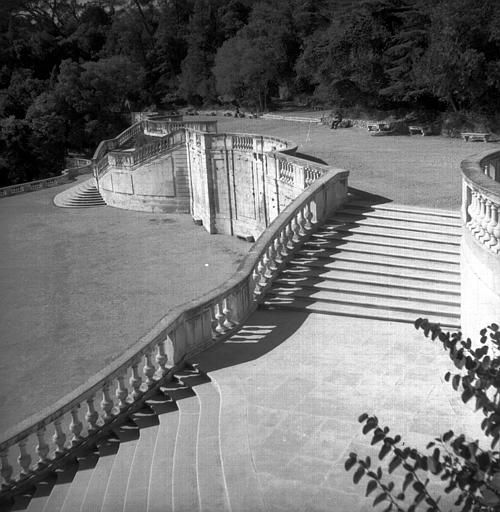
[(163, 126), (46, 440), (100, 158), (74, 167), (481, 199), (480, 251), (131, 158)]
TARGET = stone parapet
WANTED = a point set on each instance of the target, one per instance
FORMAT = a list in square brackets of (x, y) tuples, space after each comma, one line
[(480, 251)]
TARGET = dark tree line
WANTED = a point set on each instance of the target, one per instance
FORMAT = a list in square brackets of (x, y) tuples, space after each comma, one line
[(70, 70)]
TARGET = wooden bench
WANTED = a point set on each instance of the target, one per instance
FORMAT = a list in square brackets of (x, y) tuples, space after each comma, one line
[(420, 130), (378, 127), (476, 136)]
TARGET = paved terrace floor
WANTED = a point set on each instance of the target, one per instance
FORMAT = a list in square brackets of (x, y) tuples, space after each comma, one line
[(291, 408), (81, 285)]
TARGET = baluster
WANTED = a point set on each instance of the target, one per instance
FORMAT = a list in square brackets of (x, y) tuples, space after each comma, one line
[(59, 437), (301, 219), (226, 310), (213, 322), (308, 217), (107, 403), (161, 358), (135, 381), (494, 243), (220, 318), (472, 210), (7, 469), (478, 230), (76, 426), (149, 370), (42, 447), (24, 458), (296, 230), (485, 236), (121, 392), (91, 416), (289, 234), (278, 249), (271, 267)]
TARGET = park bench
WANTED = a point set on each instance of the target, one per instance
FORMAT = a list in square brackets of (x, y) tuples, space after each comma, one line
[(476, 136), (420, 130), (379, 127)]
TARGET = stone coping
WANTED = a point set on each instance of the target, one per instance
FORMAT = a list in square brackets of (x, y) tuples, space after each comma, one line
[(474, 175)]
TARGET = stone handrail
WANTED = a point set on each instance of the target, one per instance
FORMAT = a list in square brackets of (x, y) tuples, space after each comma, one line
[(481, 198), (100, 157), (74, 167), (160, 127), (298, 172), (45, 440), (130, 159)]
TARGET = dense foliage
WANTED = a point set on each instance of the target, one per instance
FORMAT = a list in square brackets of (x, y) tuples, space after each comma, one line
[(71, 69), (467, 470)]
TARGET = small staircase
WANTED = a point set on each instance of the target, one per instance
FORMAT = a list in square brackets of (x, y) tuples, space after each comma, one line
[(83, 195), (381, 262)]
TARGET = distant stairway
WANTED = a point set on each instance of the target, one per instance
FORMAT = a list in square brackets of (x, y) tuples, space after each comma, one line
[(381, 262), (84, 195)]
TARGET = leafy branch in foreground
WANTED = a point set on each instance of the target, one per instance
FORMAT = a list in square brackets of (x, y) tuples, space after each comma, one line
[(467, 470)]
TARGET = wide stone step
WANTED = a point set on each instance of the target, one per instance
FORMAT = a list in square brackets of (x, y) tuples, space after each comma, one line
[(363, 266), (374, 290), (332, 246), (385, 241), (341, 277), (137, 443), (211, 479), (390, 224), (397, 234), (368, 301), (161, 469), (400, 215), (402, 208), (356, 255), (185, 492), (352, 310)]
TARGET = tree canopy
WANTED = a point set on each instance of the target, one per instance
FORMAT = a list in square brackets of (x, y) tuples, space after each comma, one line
[(73, 69)]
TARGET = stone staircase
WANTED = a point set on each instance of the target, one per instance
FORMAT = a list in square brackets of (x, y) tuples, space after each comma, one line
[(83, 195), (382, 262), (166, 456)]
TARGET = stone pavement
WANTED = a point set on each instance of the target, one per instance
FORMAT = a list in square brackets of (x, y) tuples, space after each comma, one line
[(300, 382)]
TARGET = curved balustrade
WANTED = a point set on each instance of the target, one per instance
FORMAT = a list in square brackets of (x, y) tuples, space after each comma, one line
[(480, 250), (74, 167), (481, 199), (45, 440)]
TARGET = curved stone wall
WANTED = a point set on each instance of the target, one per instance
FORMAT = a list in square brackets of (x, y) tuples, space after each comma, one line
[(160, 185), (480, 251)]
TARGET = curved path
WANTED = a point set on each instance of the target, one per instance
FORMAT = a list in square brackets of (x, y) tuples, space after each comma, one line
[(80, 286)]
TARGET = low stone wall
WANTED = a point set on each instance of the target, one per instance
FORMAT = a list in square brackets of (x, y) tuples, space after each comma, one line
[(75, 167), (480, 251)]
